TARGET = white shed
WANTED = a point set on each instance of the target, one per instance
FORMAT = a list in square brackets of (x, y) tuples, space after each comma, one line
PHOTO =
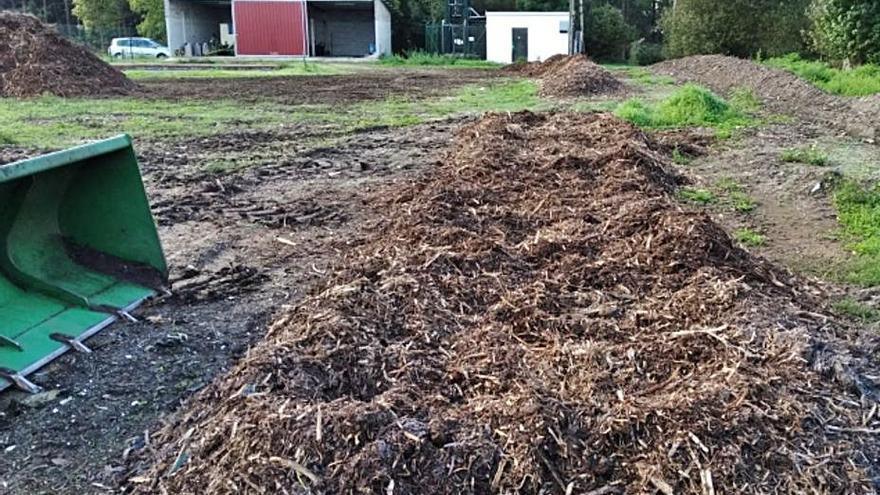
[(528, 36)]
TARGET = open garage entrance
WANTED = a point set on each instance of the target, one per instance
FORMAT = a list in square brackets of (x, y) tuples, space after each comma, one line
[(342, 29)]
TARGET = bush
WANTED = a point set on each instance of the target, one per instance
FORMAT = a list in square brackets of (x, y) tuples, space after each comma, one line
[(643, 53), (607, 33), (742, 28), (846, 30)]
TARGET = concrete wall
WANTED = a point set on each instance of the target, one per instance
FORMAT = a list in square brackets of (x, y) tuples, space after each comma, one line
[(383, 28), (194, 23), (545, 40), (343, 32)]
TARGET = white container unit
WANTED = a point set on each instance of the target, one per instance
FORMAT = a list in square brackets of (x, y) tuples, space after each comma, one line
[(528, 36)]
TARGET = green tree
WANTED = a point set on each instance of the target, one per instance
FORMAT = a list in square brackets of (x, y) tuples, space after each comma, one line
[(152, 13), (743, 28), (607, 33), (846, 30), (100, 15)]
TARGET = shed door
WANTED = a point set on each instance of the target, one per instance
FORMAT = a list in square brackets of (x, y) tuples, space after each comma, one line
[(269, 27), (520, 44)]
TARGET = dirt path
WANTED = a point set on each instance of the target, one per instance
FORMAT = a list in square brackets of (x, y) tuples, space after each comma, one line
[(242, 246)]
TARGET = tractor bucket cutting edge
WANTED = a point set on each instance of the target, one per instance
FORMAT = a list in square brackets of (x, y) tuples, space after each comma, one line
[(78, 250)]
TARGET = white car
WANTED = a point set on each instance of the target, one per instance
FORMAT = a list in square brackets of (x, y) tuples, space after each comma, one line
[(137, 47)]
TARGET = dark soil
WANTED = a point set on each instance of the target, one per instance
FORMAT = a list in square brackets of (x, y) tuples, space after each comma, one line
[(577, 75), (36, 60), (538, 314), (372, 85), (780, 90)]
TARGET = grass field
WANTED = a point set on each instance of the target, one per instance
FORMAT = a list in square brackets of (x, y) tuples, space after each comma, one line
[(859, 81)]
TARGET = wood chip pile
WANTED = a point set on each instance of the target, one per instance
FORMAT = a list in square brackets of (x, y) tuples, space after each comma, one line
[(577, 75), (538, 314), (36, 60)]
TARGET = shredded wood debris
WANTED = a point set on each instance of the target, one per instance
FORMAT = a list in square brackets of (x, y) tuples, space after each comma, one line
[(539, 314)]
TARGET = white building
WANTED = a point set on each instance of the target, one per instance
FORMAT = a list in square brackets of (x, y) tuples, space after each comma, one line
[(531, 36)]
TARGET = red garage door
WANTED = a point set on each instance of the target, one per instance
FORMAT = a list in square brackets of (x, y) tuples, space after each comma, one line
[(269, 27)]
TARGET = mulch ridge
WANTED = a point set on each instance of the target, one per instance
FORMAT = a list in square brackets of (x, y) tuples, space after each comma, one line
[(36, 60), (538, 314)]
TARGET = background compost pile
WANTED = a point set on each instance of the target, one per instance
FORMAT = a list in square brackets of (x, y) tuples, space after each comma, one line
[(577, 75), (35, 59), (781, 90), (537, 314)]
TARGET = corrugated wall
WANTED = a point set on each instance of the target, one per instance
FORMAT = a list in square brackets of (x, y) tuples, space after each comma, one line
[(273, 27)]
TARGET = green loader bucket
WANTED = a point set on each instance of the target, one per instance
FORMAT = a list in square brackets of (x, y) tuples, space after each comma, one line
[(78, 250)]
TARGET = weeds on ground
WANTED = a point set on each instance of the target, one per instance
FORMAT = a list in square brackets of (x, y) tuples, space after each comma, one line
[(749, 237), (423, 58), (809, 155), (858, 212), (856, 310), (690, 106), (735, 195), (860, 81), (694, 195), (680, 158)]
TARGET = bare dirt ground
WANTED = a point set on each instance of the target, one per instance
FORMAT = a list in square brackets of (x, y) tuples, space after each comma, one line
[(366, 85), (242, 245)]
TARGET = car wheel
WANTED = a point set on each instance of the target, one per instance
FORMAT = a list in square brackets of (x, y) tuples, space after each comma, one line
[(117, 55), (161, 55)]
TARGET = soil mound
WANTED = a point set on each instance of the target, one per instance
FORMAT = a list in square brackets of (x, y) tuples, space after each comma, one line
[(538, 315), (781, 90), (35, 59), (577, 75)]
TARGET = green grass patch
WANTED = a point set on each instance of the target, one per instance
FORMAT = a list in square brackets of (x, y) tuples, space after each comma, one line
[(749, 237), (856, 310), (860, 81), (858, 212), (695, 195), (219, 72), (810, 155), (735, 195), (422, 58), (689, 106), (641, 75), (51, 122)]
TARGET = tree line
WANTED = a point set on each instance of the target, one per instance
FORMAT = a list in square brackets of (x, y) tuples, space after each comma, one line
[(840, 31)]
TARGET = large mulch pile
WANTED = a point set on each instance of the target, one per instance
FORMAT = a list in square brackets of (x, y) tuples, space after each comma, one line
[(781, 90), (538, 314), (577, 75), (36, 60), (568, 75)]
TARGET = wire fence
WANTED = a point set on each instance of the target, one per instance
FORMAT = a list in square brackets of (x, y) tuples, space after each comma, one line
[(456, 39), (96, 39)]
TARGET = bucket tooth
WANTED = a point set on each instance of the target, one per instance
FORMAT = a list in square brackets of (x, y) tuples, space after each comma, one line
[(19, 381), (7, 342), (70, 342)]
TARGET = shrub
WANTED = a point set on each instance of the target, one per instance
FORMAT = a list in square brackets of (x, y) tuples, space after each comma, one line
[(734, 27), (607, 33), (644, 53), (846, 30)]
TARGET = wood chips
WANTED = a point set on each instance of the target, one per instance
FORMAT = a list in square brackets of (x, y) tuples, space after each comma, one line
[(538, 314), (36, 60)]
